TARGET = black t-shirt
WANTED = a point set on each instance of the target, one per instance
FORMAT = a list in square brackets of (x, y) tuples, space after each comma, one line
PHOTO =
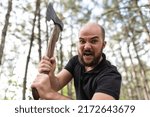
[(103, 78)]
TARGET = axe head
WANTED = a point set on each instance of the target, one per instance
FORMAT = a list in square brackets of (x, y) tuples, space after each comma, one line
[(51, 15)]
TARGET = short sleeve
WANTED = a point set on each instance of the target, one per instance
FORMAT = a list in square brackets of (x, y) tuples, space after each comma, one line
[(110, 84), (71, 64)]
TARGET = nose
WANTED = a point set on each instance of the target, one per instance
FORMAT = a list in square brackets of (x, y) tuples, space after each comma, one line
[(87, 46)]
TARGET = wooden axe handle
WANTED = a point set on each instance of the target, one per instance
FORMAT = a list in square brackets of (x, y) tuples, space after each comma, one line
[(53, 39), (50, 52)]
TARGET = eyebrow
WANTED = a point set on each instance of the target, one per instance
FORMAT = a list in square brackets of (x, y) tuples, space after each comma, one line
[(95, 37), (81, 38)]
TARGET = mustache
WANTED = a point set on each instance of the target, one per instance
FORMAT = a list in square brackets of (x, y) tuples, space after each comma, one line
[(88, 52)]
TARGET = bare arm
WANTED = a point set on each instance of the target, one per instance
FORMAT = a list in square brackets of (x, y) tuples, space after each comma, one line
[(63, 77), (59, 80), (48, 84), (43, 85), (102, 96)]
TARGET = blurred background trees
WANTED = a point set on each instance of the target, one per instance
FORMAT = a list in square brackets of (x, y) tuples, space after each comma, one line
[(24, 35)]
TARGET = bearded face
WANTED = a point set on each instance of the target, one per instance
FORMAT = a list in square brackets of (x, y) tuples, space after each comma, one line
[(89, 58), (91, 44)]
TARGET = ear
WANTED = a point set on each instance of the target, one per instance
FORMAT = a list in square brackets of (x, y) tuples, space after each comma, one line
[(104, 44)]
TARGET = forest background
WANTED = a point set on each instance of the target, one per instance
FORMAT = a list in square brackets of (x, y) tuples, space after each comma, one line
[(24, 35)]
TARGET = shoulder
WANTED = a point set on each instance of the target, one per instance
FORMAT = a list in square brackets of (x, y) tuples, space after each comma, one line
[(112, 70), (109, 68), (110, 73), (109, 80), (74, 58), (70, 66)]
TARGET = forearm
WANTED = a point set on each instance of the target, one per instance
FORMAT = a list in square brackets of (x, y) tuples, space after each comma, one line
[(57, 96), (60, 80), (55, 83)]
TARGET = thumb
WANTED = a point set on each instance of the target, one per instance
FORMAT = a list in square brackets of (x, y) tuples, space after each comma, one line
[(53, 61)]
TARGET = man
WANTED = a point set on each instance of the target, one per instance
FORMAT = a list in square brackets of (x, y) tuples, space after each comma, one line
[(94, 77)]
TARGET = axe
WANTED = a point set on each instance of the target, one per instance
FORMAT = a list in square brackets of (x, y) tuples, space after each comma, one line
[(58, 27)]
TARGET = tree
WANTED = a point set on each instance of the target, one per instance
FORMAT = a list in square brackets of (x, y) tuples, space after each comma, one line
[(126, 23), (30, 47), (4, 31)]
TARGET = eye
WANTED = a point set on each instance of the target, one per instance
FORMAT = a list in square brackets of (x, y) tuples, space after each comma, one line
[(81, 41), (94, 41)]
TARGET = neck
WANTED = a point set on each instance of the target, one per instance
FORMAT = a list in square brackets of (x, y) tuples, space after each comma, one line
[(92, 67)]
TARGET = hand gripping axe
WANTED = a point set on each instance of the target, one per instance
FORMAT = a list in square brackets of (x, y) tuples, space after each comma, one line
[(58, 27)]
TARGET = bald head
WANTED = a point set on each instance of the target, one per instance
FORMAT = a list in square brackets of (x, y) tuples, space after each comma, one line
[(93, 28), (91, 44)]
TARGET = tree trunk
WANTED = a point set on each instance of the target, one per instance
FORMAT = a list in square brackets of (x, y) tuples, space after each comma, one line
[(69, 86), (142, 73), (39, 34), (30, 47), (128, 79), (4, 31), (135, 3), (134, 76)]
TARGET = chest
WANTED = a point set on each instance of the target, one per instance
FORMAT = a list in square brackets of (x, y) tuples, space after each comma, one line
[(85, 83)]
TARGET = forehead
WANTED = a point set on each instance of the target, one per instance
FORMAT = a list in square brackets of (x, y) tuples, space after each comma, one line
[(90, 30)]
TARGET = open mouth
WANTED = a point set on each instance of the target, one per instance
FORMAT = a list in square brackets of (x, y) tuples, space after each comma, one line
[(88, 53)]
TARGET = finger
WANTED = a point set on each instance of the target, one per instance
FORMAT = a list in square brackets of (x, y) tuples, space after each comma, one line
[(43, 70), (45, 66), (45, 63), (46, 58), (52, 60)]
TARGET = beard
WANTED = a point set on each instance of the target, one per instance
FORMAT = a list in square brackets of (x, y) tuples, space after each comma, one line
[(94, 60)]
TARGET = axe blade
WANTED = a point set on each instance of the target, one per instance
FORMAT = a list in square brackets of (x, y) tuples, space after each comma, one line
[(51, 15)]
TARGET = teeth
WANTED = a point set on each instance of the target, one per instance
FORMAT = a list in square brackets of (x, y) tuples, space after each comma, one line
[(87, 53)]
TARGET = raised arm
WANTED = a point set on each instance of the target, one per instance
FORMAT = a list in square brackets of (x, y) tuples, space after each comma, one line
[(48, 84)]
